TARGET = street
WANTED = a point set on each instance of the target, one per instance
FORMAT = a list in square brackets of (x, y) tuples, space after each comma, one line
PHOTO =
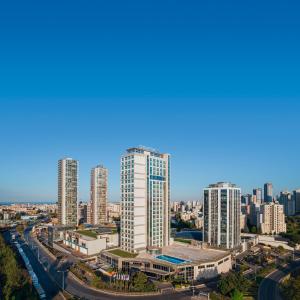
[(269, 287)]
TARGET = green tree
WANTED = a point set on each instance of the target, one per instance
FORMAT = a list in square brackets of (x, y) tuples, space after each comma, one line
[(237, 295), (141, 284)]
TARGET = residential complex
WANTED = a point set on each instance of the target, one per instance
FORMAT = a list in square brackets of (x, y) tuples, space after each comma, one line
[(222, 208), (67, 191), (145, 198), (273, 219), (98, 201)]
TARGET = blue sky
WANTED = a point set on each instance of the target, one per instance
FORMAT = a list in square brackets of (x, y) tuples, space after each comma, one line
[(215, 84)]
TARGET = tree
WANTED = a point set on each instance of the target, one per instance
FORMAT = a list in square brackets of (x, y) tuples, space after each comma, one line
[(253, 229), (141, 284), (237, 295), (230, 281)]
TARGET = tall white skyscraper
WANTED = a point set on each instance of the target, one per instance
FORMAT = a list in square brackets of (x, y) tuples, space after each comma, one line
[(98, 202), (222, 209), (67, 191), (145, 199)]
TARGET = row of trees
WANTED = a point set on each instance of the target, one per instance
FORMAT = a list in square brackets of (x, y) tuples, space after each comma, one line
[(14, 280)]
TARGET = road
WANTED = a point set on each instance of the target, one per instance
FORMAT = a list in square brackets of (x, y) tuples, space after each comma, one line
[(75, 287), (269, 287), (50, 287)]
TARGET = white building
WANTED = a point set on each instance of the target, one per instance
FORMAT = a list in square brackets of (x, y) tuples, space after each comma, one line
[(273, 218), (145, 199), (222, 209), (98, 200), (67, 191), (89, 242)]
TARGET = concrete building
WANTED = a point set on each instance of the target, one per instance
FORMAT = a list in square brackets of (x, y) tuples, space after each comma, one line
[(296, 199), (89, 242), (145, 199), (246, 199), (273, 218), (288, 203), (222, 209), (98, 200), (67, 191), (268, 192), (183, 262)]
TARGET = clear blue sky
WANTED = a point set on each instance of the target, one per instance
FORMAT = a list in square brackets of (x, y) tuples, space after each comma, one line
[(214, 83)]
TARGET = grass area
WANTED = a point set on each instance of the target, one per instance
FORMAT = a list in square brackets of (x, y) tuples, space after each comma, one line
[(123, 253), (89, 233), (183, 240)]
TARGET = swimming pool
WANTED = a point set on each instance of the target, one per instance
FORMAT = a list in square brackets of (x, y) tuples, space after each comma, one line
[(171, 259)]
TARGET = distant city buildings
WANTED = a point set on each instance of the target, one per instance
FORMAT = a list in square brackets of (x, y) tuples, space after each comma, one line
[(98, 201), (288, 203), (145, 199), (268, 192), (257, 195), (67, 191), (222, 209)]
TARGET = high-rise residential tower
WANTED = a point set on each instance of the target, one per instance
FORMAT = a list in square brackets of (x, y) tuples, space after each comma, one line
[(67, 191), (145, 199), (268, 192), (222, 209), (98, 202)]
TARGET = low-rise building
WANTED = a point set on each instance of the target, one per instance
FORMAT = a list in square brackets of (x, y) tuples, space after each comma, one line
[(177, 260), (89, 242)]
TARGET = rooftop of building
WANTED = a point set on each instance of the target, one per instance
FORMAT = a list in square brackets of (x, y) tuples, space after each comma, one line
[(188, 253), (222, 184), (142, 149)]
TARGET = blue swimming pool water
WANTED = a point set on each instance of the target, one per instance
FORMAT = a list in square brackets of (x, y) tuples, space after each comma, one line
[(171, 259)]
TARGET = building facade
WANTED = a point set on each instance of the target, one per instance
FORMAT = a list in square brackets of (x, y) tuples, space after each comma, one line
[(222, 209), (145, 199), (98, 202), (268, 192), (296, 199), (288, 203), (273, 218), (67, 191)]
